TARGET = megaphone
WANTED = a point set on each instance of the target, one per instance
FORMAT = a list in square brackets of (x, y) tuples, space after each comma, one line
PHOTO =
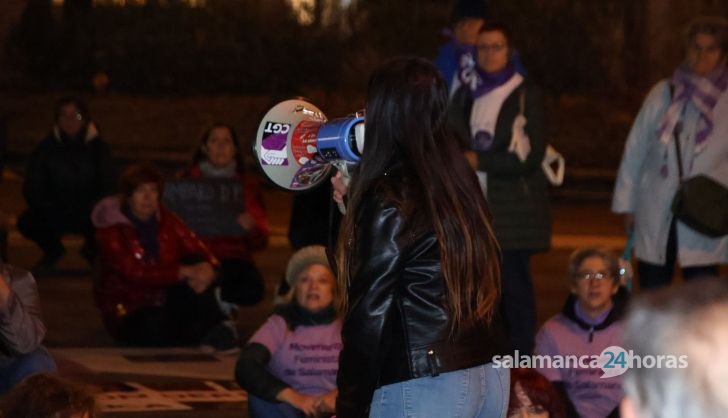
[(296, 145)]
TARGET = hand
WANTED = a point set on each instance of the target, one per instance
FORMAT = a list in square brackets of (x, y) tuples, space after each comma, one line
[(340, 187), (199, 276), (472, 158), (246, 221), (304, 403), (629, 222), (326, 403)]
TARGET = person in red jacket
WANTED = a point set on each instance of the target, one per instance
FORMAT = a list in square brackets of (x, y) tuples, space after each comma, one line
[(155, 281), (219, 156)]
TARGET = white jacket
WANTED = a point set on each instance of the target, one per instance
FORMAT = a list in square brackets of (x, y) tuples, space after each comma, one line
[(641, 189)]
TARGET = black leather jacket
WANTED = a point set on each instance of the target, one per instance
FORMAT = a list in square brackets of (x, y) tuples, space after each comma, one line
[(397, 327)]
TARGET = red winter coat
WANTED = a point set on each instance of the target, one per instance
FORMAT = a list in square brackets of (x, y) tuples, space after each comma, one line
[(126, 281), (241, 247)]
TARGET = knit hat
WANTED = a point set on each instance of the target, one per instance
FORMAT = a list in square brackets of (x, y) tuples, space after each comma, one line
[(465, 9), (313, 254)]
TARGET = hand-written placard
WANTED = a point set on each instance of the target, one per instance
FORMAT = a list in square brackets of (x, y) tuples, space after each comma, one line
[(209, 206)]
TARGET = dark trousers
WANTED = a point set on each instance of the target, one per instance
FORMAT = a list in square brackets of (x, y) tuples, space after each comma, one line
[(46, 229), (185, 319), (652, 276), (260, 408), (240, 282), (518, 301)]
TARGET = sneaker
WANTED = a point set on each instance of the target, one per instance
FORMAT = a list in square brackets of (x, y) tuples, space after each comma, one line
[(223, 339), (230, 310)]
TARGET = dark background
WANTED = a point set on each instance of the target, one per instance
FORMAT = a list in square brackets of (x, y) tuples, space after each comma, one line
[(156, 73)]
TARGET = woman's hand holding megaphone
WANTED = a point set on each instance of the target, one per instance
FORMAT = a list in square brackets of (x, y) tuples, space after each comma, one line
[(341, 187), (340, 183)]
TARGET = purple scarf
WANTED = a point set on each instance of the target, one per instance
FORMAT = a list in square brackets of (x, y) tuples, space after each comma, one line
[(703, 92), (478, 81)]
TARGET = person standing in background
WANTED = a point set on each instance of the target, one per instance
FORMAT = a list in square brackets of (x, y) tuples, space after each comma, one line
[(691, 106), (501, 110)]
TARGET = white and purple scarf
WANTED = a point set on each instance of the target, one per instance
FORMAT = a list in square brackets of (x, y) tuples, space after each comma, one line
[(703, 92)]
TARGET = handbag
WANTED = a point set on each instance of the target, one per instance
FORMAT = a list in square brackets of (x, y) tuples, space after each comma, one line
[(700, 202), (521, 146)]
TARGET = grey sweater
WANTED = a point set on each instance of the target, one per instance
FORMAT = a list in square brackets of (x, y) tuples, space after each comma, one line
[(21, 327)]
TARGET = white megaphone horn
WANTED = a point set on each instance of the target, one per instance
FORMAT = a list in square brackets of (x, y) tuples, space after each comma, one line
[(296, 145)]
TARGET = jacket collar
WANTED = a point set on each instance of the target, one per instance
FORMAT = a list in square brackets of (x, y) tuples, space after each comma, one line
[(91, 133), (620, 300)]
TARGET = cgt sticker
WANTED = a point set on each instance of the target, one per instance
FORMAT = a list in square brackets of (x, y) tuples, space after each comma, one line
[(303, 141), (274, 147)]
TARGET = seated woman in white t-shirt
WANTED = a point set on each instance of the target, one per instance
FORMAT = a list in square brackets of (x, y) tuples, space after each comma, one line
[(289, 366)]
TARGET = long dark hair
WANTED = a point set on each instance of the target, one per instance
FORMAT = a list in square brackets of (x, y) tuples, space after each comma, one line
[(200, 155), (406, 127)]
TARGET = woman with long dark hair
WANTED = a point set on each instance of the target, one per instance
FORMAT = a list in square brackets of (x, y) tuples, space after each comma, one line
[(418, 264), (499, 116)]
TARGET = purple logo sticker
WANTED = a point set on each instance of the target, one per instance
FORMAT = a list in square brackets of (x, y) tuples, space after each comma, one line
[(274, 147), (482, 141)]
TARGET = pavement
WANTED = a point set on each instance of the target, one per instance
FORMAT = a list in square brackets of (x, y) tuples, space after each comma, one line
[(185, 382)]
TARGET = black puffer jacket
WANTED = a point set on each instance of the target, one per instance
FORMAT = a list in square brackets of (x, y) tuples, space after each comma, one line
[(67, 176), (397, 327), (517, 190)]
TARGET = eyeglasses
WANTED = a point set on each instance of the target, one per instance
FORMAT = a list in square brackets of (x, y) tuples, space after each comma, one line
[(70, 116), (592, 275), (492, 47)]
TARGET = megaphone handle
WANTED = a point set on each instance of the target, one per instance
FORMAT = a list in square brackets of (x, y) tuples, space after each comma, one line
[(345, 178)]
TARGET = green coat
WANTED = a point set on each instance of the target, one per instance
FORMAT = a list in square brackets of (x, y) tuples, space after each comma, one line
[(517, 192)]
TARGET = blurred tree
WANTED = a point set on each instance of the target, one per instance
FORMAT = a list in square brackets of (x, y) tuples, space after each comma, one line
[(10, 12), (35, 41), (77, 61)]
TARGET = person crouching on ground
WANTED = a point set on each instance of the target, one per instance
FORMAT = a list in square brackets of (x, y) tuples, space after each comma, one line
[(289, 365), (154, 287), (68, 172), (589, 322)]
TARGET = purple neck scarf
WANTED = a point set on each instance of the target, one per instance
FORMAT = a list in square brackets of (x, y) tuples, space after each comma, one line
[(703, 92), (478, 81)]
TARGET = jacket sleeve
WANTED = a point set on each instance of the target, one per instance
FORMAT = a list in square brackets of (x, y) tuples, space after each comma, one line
[(251, 373), (500, 161), (190, 243), (21, 327), (376, 267), (257, 238), (35, 189), (116, 254), (105, 170), (636, 149)]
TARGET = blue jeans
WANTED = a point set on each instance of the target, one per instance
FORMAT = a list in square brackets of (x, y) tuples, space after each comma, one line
[(481, 392), (259, 408), (38, 361)]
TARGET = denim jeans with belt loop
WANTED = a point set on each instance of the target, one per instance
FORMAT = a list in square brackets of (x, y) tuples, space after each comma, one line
[(481, 392)]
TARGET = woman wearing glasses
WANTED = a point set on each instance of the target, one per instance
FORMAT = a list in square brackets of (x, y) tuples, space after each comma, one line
[(499, 117), (588, 323), (691, 106)]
